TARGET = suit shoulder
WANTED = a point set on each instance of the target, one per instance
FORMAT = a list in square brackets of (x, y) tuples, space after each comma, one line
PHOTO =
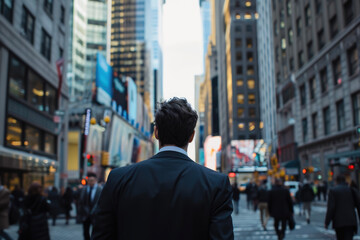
[(209, 172)]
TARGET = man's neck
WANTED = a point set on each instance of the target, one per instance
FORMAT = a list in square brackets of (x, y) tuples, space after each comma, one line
[(169, 145)]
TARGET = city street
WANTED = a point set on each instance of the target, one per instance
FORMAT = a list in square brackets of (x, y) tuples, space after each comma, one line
[(246, 226)]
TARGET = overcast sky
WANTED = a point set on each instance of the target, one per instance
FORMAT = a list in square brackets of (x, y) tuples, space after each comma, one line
[(182, 46)]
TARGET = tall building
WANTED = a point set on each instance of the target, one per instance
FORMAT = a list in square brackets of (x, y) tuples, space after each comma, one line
[(33, 38), (205, 9), (129, 53), (317, 71), (243, 96), (266, 73)]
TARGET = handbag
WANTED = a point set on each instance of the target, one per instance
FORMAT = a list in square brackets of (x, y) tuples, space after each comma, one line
[(291, 222)]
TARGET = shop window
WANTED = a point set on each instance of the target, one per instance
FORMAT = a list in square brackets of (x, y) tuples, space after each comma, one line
[(251, 98), (17, 75), (14, 132), (251, 83), (36, 91), (28, 25), (32, 138)]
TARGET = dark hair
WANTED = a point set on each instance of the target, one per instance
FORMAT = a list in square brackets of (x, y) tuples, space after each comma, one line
[(340, 179), (175, 120), (35, 189), (91, 174)]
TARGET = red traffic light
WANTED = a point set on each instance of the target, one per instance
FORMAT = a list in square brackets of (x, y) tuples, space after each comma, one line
[(232, 174), (83, 181), (351, 167), (304, 171), (88, 156)]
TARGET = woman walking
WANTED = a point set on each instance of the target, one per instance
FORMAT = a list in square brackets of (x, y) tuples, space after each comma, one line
[(67, 200)]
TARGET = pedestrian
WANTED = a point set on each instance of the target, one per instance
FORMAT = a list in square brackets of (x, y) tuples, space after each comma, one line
[(263, 197), (254, 194), (55, 204), (248, 191), (325, 190), (307, 195), (4, 210), (168, 196), (88, 198), (67, 200), (18, 195), (236, 198), (319, 191), (280, 207), (341, 206), (33, 223), (298, 199)]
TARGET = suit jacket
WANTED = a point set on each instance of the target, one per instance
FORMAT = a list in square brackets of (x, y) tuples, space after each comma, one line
[(166, 197), (341, 207), (4, 207), (280, 203), (86, 209)]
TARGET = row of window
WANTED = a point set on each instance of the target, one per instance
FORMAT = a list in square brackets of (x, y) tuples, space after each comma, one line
[(238, 42), (340, 116), (22, 135), (249, 56), (250, 83), (251, 126), (249, 71), (25, 84), (251, 113), (353, 68), (250, 98)]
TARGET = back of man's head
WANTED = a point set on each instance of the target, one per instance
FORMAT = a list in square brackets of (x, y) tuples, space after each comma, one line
[(340, 179), (175, 121)]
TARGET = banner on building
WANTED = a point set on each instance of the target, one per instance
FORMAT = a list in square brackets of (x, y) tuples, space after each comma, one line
[(103, 83)]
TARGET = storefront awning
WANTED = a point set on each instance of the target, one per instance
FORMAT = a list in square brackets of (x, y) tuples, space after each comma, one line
[(290, 164)]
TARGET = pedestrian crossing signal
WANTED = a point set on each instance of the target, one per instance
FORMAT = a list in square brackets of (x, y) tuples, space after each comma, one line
[(90, 160), (351, 167)]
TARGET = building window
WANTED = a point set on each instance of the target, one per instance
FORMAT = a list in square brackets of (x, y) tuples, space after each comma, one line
[(249, 43), (6, 9), (237, 28), (298, 26), (302, 95), (251, 83), (314, 121), (340, 111), (307, 15), (333, 24), (323, 80), (251, 98), (248, 28), (240, 112), (241, 126), (239, 56), (310, 50), (240, 98), (290, 36), (239, 70), (312, 84), (348, 12), (248, 3), (247, 16), (336, 66), (261, 125), (288, 7), (238, 42), (250, 70), (252, 112), (239, 82), (318, 6), (238, 16), (291, 63), (32, 138), (62, 14), (17, 76), (353, 60), (276, 28), (304, 129), (50, 99), (45, 45), (327, 120), (251, 126), (356, 108), (61, 52), (35, 91), (282, 16), (27, 25), (48, 6), (321, 39), (301, 58), (50, 143), (250, 57), (14, 132)]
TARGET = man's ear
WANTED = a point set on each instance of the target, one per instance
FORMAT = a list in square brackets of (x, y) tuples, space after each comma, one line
[(192, 137), (156, 131)]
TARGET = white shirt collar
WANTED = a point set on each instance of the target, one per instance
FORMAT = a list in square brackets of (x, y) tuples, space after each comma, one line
[(173, 148)]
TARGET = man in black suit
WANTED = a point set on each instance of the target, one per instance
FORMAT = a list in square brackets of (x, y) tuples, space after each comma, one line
[(341, 209), (88, 198), (168, 196), (280, 207)]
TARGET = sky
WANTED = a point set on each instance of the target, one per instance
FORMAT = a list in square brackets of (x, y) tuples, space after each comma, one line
[(182, 51)]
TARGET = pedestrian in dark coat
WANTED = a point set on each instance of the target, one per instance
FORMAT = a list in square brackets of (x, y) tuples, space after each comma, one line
[(307, 195), (168, 196), (68, 198), (34, 218), (263, 198), (236, 197), (55, 204), (280, 207), (342, 202), (325, 190), (4, 209)]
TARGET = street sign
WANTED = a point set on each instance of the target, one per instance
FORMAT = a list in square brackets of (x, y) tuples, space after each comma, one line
[(59, 113), (56, 119)]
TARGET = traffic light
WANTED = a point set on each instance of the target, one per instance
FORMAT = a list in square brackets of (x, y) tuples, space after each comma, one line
[(304, 171), (83, 182), (232, 175), (90, 160), (351, 167)]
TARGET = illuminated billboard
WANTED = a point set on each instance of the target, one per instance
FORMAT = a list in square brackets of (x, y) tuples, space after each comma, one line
[(212, 146), (103, 82), (119, 100), (132, 100)]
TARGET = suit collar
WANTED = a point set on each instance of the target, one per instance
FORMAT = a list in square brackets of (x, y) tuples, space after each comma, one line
[(171, 155)]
